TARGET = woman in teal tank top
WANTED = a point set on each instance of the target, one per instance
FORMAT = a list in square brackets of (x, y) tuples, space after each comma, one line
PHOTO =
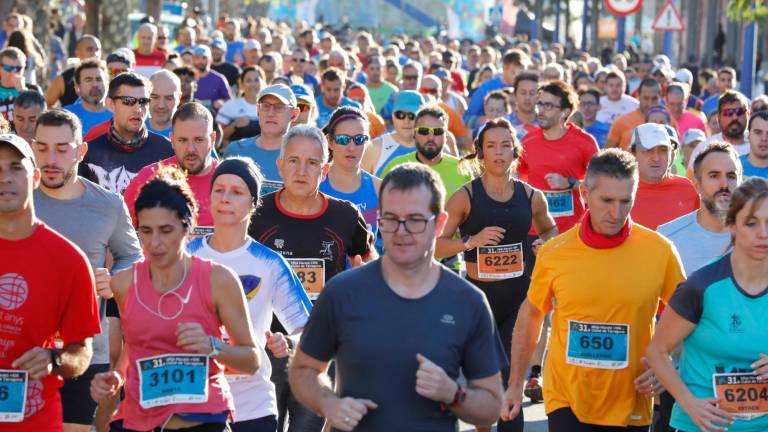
[(719, 316)]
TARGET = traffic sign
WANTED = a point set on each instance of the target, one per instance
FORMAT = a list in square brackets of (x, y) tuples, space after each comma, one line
[(623, 7), (668, 19)]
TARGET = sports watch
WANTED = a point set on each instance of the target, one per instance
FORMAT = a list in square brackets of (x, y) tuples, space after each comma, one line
[(55, 359), (216, 346)]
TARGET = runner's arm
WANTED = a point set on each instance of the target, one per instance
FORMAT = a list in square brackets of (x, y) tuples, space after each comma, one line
[(55, 91), (458, 207), (543, 222), (483, 401), (240, 353), (670, 333), (123, 243), (371, 155), (309, 382), (75, 358), (524, 340)]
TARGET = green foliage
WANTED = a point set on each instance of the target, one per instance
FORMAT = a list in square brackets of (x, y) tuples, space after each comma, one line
[(742, 10)]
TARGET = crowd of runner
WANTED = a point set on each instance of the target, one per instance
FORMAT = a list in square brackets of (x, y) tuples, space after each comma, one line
[(257, 227)]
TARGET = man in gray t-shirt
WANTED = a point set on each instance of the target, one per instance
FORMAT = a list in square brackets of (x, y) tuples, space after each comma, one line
[(701, 237), (401, 328), (93, 218)]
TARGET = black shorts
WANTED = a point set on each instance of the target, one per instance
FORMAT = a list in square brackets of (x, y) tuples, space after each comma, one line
[(564, 420), (117, 426), (76, 402)]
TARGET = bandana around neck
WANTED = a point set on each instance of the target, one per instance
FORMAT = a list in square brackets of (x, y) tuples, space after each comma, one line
[(127, 145), (595, 240)]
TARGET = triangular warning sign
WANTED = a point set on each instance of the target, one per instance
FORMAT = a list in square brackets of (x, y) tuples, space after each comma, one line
[(668, 19)]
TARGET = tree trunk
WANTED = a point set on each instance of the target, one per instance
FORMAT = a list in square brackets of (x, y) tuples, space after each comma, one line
[(154, 7), (93, 17), (115, 28)]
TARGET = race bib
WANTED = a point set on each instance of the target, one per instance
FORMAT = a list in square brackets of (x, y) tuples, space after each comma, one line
[(560, 203), (598, 345), (742, 394), (269, 186), (13, 394), (311, 273), (172, 378), (500, 262), (202, 231)]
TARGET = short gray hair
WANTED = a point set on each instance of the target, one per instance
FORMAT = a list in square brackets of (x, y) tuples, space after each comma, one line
[(306, 131), (165, 73), (614, 163)]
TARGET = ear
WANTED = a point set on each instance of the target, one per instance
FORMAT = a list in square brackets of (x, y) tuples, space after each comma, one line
[(440, 222), (110, 104), (81, 151)]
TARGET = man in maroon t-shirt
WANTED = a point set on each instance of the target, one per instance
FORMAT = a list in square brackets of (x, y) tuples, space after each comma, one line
[(47, 302)]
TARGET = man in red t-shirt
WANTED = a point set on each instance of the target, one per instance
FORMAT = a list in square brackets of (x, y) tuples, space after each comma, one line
[(555, 157), (192, 139), (47, 294), (148, 59), (661, 196)]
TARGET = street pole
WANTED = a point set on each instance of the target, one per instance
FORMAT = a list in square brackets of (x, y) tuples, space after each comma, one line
[(749, 51), (557, 21), (668, 51), (622, 24), (584, 25)]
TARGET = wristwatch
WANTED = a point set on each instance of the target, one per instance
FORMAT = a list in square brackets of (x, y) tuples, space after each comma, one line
[(572, 182), (216, 346), (465, 239), (458, 398), (55, 359)]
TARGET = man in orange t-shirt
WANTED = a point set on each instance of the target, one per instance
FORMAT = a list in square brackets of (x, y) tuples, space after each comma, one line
[(661, 196), (620, 135)]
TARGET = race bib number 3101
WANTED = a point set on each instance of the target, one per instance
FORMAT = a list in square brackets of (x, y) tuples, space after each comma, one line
[(13, 395), (741, 394), (172, 378), (598, 345)]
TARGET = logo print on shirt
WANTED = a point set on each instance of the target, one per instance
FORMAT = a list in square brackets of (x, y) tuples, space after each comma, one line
[(251, 285), (279, 243), (114, 181), (736, 324), (326, 252), (35, 400), (13, 291), (448, 319)]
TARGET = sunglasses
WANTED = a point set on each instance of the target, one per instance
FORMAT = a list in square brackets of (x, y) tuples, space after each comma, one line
[(300, 60), (9, 68), (304, 107), (730, 112), (428, 91), (436, 131), (345, 139), (132, 101), (401, 115), (410, 77), (115, 72)]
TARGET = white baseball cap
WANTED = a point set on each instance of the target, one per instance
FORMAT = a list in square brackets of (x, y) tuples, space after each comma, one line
[(650, 135)]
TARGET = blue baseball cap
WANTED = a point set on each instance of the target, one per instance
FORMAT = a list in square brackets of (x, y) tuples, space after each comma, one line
[(408, 100), (219, 43), (201, 50), (303, 93)]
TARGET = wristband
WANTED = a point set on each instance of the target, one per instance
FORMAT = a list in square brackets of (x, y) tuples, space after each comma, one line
[(458, 399)]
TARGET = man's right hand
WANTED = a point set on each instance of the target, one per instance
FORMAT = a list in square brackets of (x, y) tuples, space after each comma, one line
[(105, 385), (344, 414), (512, 403), (102, 279)]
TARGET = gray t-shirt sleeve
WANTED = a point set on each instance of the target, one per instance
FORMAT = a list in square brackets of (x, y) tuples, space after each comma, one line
[(321, 334), (123, 242), (483, 354), (688, 300)]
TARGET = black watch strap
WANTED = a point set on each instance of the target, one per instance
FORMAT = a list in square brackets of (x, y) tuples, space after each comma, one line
[(55, 359)]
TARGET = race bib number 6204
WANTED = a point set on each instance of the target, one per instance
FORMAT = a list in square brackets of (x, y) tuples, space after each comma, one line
[(742, 394)]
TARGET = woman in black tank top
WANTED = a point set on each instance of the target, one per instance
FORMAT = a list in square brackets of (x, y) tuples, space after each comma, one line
[(494, 213)]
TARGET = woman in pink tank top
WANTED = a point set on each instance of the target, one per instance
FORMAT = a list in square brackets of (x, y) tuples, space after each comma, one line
[(172, 366)]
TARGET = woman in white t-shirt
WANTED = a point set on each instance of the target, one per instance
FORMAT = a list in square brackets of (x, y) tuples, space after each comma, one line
[(238, 117), (269, 283)]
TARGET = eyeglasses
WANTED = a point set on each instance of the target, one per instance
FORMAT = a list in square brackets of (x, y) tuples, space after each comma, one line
[(304, 107), (359, 139), (115, 72), (9, 68), (412, 226), (730, 112), (300, 60), (276, 108), (410, 77), (432, 91), (132, 101), (546, 106), (588, 103), (436, 131), (401, 115)]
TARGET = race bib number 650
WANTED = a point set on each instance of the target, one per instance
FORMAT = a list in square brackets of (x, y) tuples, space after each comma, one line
[(598, 345), (172, 378)]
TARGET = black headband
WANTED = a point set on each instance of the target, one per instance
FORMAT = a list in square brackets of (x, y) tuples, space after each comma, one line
[(243, 170)]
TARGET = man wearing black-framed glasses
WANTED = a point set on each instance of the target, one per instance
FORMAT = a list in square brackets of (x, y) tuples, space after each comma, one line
[(394, 370), (115, 156)]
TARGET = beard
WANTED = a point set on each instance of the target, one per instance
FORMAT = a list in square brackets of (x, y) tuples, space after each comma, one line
[(429, 153), (716, 207), (67, 175), (734, 132)]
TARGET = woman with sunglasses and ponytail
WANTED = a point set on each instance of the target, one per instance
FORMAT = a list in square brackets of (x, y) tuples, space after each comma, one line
[(348, 139), (172, 318), (493, 214)]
